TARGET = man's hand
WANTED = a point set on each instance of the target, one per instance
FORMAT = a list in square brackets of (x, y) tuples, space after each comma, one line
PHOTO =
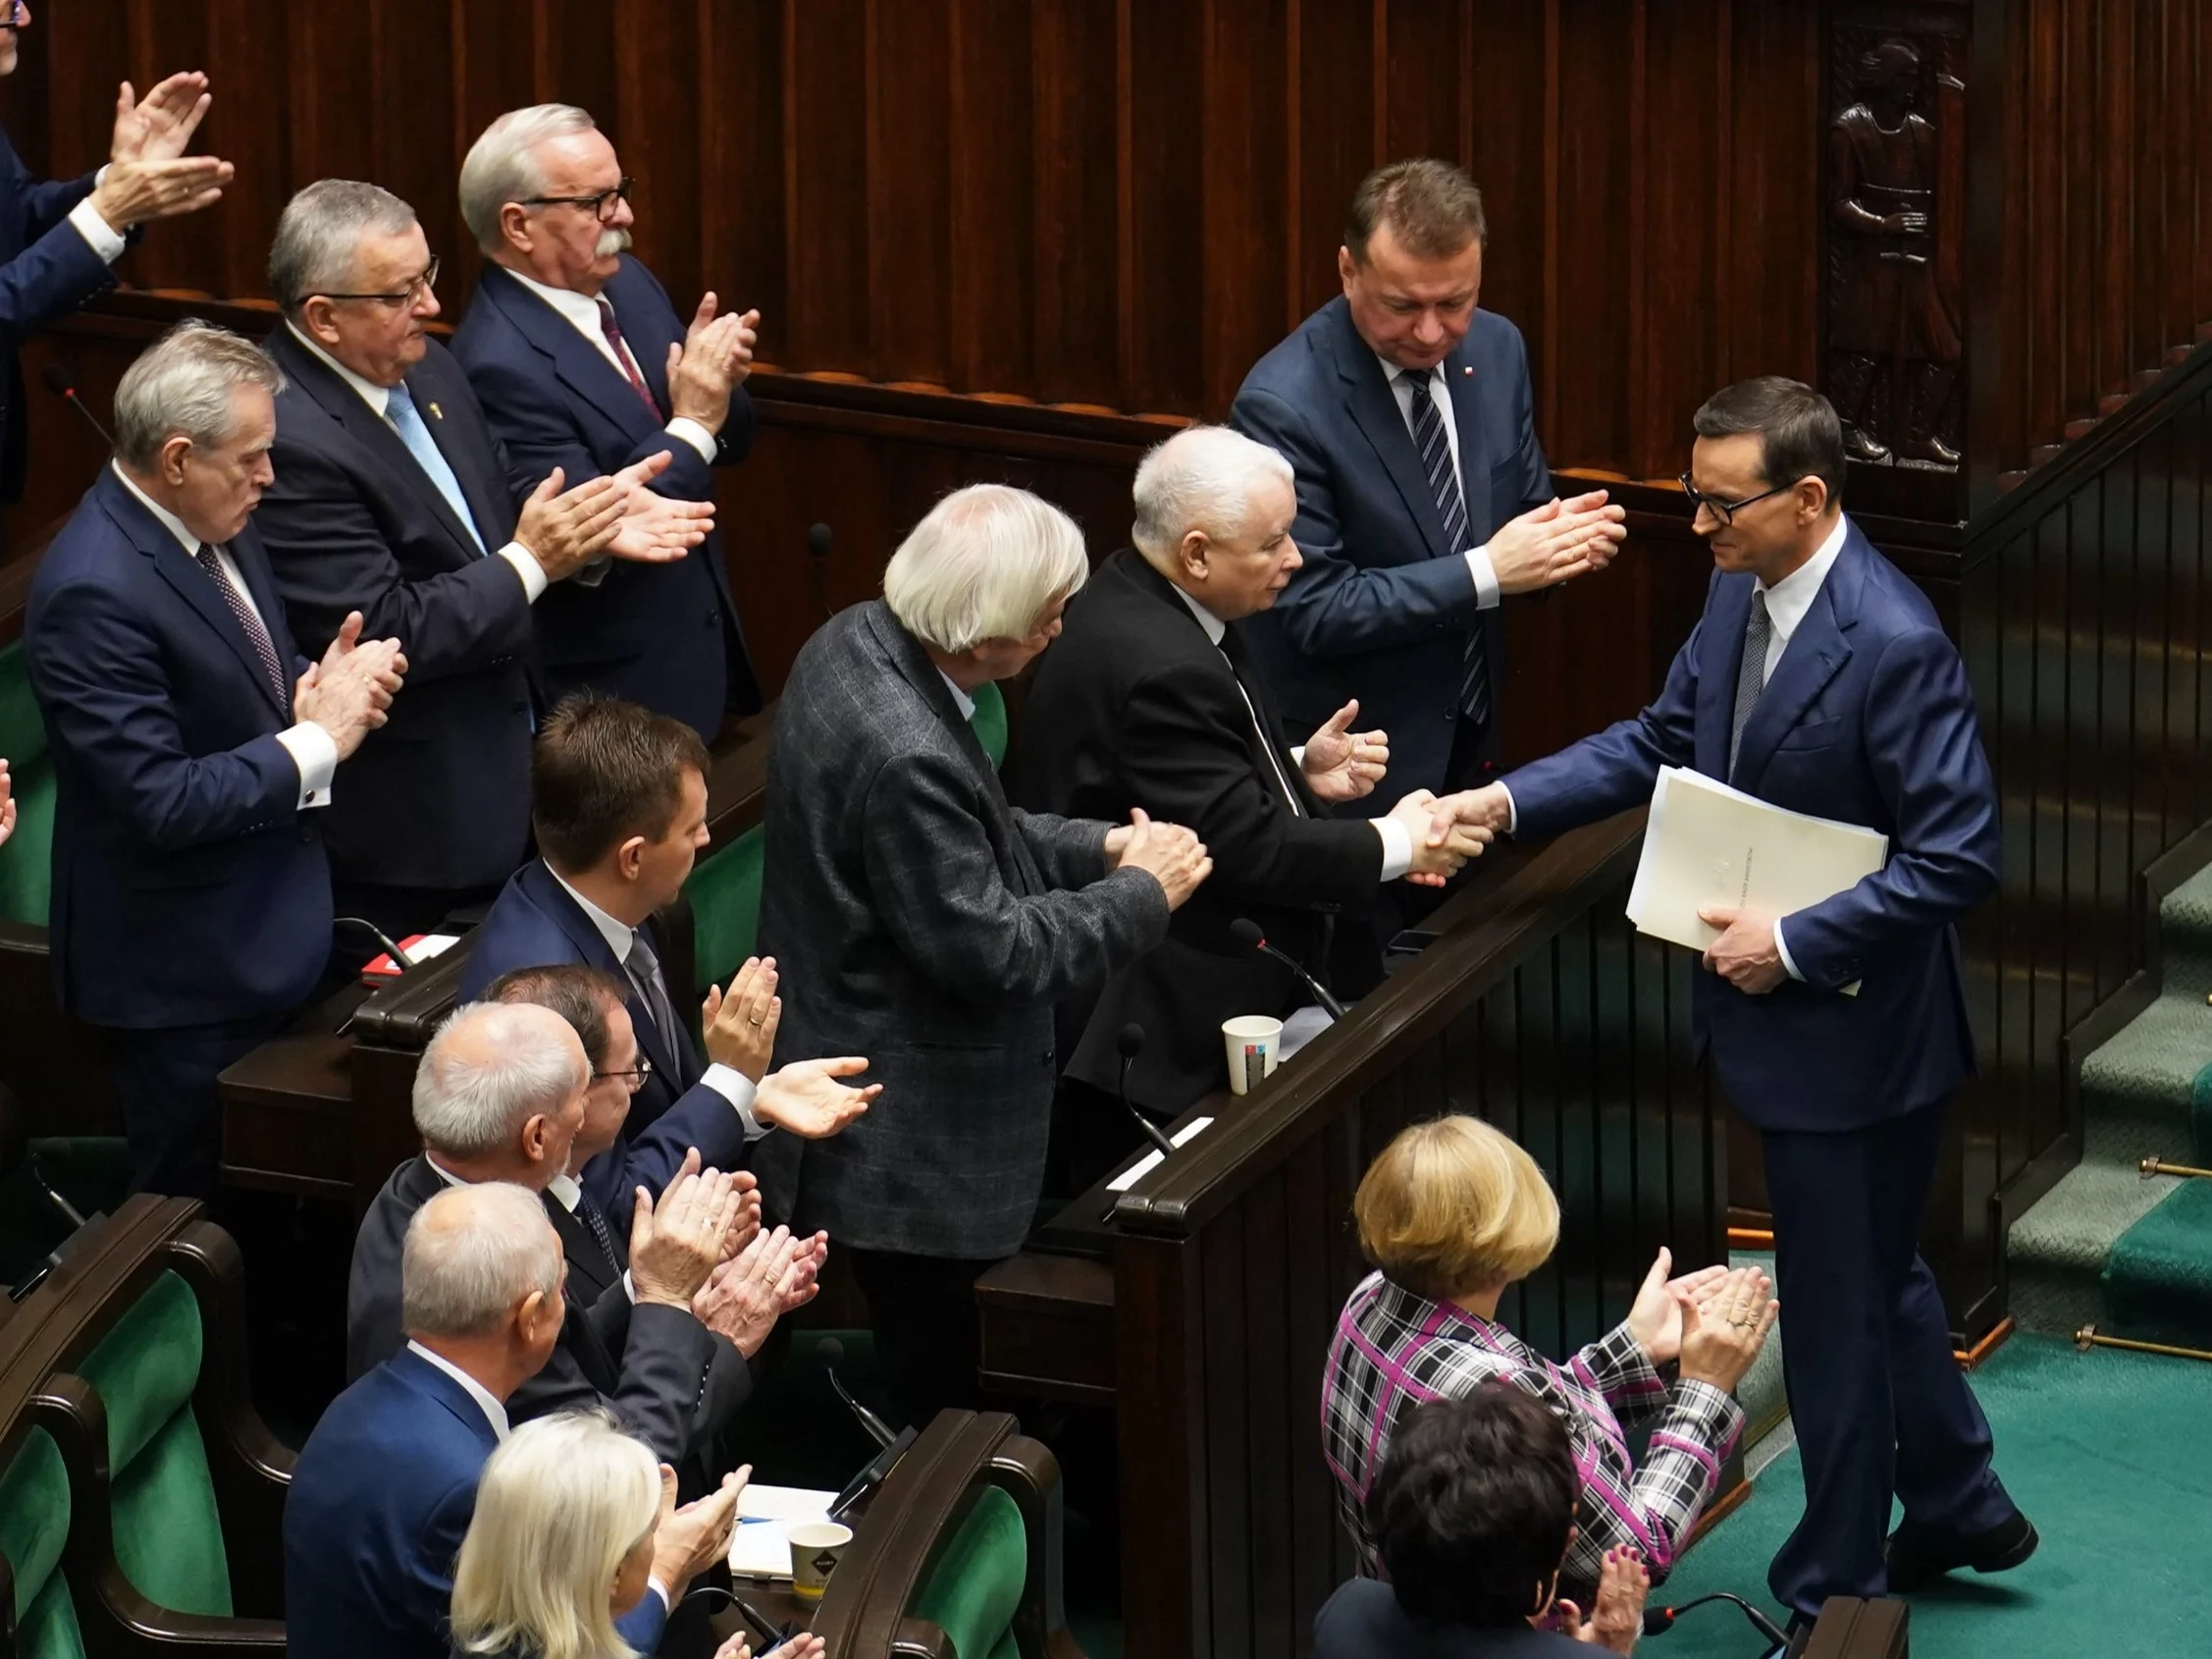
[(1745, 954), (806, 1099), (348, 692), (689, 1540), (655, 529), (7, 805), (803, 1646), (1557, 542), (1654, 1320), (676, 1243), (137, 191), (1442, 841), (741, 1027), (1169, 853), (772, 1275), (711, 361), (160, 125), (1616, 1618), (565, 529), (1342, 765)]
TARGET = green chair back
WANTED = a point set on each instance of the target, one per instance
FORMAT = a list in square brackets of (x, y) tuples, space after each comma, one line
[(33, 1526), (989, 722), (27, 871), (973, 1586), (724, 893), (168, 1533)]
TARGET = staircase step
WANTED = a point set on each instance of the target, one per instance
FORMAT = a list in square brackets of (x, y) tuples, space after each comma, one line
[(2158, 1285), (2138, 1089), (2057, 1251)]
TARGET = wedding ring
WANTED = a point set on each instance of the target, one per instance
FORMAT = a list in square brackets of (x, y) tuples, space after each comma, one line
[(751, 1022)]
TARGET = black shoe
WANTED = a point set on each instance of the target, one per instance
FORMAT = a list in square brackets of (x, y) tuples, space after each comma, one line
[(1917, 1556)]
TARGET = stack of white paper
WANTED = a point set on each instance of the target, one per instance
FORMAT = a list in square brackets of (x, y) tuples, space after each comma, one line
[(1709, 845), (760, 1543)]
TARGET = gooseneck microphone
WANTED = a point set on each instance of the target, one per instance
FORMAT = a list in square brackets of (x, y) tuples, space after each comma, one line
[(1246, 933), (399, 958), (1658, 1621), (832, 1351), (818, 560), (1130, 1042), (58, 382)]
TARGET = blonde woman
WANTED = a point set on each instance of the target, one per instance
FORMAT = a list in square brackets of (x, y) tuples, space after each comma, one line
[(577, 1549), (1450, 1216)]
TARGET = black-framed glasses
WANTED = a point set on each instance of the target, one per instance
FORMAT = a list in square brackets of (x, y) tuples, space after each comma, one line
[(1725, 512), (602, 206), (407, 296), (635, 1077)]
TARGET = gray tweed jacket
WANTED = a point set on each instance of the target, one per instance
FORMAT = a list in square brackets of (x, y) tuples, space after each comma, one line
[(918, 919)]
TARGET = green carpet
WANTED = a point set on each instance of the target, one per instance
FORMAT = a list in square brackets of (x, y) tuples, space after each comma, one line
[(2106, 1451)]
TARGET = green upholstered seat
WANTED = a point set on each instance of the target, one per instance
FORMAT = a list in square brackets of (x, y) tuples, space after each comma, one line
[(33, 1526), (26, 862), (168, 1533), (973, 1586), (989, 722), (724, 893)]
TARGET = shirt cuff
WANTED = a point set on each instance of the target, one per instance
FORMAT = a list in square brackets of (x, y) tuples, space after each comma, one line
[(630, 1287), (738, 1090), (526, 567), (1397, 847), (1782, 950), (1485, 574), (693, 434), (653, 1587), (1512, 812), (315, 751), (99, 236)]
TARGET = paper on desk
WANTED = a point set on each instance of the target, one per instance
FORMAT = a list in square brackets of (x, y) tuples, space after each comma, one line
[(1706, 844), (1150, 1162), (761, 1543)]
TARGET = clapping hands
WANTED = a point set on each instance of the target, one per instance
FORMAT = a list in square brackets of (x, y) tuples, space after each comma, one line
[(1617, 1616)]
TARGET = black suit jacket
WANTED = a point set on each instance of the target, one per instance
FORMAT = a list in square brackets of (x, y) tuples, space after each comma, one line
[(1363, 1621), (645, 1363), (439, 797), (1136, 707)]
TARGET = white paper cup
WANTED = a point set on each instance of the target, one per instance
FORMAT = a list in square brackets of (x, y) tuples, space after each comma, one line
[(1255, 1044), (816, 1546)]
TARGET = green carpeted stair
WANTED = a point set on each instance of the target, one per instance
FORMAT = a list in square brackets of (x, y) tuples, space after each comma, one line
[(2105, 1246)]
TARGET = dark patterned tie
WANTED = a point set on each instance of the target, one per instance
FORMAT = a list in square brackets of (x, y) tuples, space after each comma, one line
[(263, 647), (608, 327), (644, 973), (594, 1223), (1751, 678), (1430, 438)]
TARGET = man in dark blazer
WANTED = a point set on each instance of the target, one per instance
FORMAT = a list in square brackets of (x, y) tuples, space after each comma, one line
[(385, 1487), (1423, 493), (582, 363), (919, 918), (500, 1098), (1151, 700), (194, 751), (394, 497), (1819, 679)]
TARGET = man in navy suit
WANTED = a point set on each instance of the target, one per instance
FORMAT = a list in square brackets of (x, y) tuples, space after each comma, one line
[(394, 497), (618, 798), (582, 363), (194, 750), (1819, 679), (1423, 493)]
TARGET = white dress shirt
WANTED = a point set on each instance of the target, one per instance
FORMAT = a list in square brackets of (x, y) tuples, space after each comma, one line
[(102, 237), (494, 1413), (726, 1081), (312, 748), (582, 312), (960, 699), (1479, 566), (379, 400), (569, 1195)]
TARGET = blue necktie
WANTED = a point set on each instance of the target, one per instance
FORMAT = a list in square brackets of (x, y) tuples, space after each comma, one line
[(594, 1223), (406, 420), (1430, 439)]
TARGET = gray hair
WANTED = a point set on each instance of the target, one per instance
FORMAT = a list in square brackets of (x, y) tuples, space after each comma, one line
[(491, 1068), (471, 1253), (318, 242), (1200, 479), (183, 384), (982, 564), (500, 168)]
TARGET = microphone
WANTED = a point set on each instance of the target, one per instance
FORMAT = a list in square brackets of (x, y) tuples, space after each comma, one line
[(817, 556), (1246, 933), (1131, 1042), (1658, 1621), (399, 958), (832, 1351), (57, 381)]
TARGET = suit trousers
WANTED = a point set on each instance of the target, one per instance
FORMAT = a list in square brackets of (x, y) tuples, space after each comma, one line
[(1878, 1403), (928, 1338), (164, 1086)]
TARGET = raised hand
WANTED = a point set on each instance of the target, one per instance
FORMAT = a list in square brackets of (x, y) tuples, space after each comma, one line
[(348, 692), (806, 1099), (741, 1027), (1342, 765), (7, 805), (1654, 1320), (676, 1243), (565, 529), (133, 192), (655, 529), (1169, 853), (1557, 542), (745, 1296), (158, 126), (687, 1542), (1616, 1617), (1724, 1331), (713, 361)]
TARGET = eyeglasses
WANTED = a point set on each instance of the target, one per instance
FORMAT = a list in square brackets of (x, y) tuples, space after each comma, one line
[(1725, 512), (635, 1077), (602, 206), (407, 296)]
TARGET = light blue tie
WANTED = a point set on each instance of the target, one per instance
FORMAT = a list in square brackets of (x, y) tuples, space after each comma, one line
[(406, 420)]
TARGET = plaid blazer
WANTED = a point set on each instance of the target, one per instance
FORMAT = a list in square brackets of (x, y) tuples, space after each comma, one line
[(918, 919), (1395, 1350)]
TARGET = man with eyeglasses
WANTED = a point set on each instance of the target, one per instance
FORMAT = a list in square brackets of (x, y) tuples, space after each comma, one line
[(59, 237), (1820, 678), (393, 496), (582, 363)]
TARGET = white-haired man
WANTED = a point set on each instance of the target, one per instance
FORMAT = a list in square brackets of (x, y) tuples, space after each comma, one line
[(921, 920), (499, 1097), (582, 363), (1153, 700)]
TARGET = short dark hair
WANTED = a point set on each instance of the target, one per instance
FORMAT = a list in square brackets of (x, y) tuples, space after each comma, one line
[(1798, 435), (1473, 1506), (578, 992), (1432, 207), (604, 769)]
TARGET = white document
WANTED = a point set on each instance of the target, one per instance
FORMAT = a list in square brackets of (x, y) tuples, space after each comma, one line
[(760, 1543), (1150, 1162), (1709, 845)]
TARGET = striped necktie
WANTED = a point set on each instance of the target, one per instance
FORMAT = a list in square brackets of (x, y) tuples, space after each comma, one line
[(1434, 445), (256, 631), (1751, 678)]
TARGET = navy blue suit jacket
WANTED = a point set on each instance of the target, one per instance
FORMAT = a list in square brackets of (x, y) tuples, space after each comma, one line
[(661, 635), (1867, 718), (380, 1501), (1383, 607), (188, 887), (45, 269), (439, 796), (535, 924)]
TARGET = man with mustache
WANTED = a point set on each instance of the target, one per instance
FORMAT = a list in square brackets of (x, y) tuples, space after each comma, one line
[(582, 363)]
